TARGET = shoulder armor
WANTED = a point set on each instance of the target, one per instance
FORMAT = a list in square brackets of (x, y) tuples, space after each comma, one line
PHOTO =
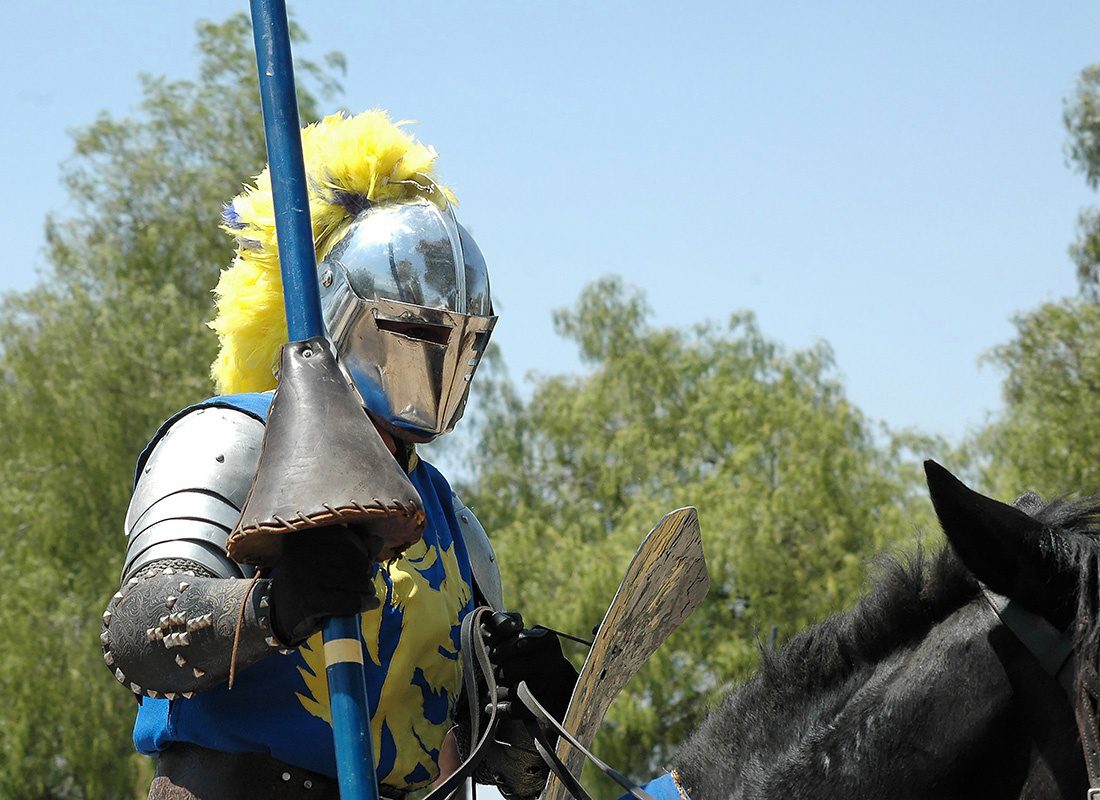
[(483, 561), (190, 491)]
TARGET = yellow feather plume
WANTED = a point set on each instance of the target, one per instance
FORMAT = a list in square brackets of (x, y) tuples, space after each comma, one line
[(348, 160)]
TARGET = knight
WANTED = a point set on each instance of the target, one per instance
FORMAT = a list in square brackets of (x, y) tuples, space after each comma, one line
[(226, 660)]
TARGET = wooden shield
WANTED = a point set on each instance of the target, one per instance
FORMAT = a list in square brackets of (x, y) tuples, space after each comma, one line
[(665, 582)]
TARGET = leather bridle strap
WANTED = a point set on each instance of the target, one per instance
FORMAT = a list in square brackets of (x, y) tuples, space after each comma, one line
[(1054, 650), (541, 723)]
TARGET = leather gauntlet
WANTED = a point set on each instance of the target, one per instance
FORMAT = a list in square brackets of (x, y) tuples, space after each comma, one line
[(171, 632)]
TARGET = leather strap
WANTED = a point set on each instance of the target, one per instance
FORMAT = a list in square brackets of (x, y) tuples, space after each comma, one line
[(475, 656), (1054, 650), (546, 749)]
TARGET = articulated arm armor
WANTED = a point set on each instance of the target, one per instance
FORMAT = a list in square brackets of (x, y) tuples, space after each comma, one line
[(170, 628)]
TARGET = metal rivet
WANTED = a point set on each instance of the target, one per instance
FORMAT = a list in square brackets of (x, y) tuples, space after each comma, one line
[(326, 278), (181, 660), (307, 353), (135, 688), (464, 518), (106, 616), (171, 601), (184, 585), (286, 776), (198, 673), (220, 458), (264, 602), (108, 658), (188, 695), (104, 637), (308, 784)]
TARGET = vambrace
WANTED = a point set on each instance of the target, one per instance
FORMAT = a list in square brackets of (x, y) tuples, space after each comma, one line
[(170, 629)]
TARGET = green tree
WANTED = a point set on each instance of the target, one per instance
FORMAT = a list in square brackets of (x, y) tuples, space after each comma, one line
[(110, 342), (793, 492), (1082, 121), (1048, 437)]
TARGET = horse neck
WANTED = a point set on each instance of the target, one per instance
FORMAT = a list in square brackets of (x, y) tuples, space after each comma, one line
[(961, 710)]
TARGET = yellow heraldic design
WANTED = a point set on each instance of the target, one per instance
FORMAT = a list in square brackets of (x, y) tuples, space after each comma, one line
[(425, 658), (349, 161)]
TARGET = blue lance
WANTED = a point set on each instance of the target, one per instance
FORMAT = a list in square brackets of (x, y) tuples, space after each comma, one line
[(297, 259)]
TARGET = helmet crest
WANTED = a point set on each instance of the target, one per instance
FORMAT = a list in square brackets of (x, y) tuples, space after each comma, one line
[(351, 163)]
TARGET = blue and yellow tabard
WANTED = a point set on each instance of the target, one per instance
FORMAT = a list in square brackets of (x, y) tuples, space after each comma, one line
[(280, 705)]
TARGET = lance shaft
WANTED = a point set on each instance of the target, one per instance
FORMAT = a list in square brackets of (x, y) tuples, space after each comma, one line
[(297, 259)]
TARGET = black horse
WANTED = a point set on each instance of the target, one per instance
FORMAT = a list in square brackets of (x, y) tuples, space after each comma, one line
[(921, 691)]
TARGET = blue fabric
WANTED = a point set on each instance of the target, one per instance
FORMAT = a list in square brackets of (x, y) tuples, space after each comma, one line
[(280, 705), (662, 788)]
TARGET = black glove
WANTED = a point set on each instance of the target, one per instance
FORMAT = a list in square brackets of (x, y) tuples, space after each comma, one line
[(322, 573), (532, 655)]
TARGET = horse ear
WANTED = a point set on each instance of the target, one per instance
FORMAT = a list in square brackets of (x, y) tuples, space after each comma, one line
[(1009, 551)]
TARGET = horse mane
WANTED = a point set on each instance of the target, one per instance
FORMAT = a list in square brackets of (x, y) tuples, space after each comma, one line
[(1077, 522), (908, 597)]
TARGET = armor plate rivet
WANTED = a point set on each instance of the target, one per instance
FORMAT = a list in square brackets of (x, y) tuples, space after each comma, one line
[(220, 458), (308, 784), (286, 776), (326, 281)]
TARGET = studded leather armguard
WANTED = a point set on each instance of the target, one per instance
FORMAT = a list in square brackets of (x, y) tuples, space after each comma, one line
[(170, 632)]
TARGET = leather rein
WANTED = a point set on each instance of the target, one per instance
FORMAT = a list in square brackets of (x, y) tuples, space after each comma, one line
[(1054, 650), (497, 702)]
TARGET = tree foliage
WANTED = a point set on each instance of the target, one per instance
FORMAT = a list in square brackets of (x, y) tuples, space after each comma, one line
[(1048, 437), (110, 342), (1082, 121), (794, 495)]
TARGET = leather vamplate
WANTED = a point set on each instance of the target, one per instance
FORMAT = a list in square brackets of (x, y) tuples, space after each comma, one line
[(323, 463)]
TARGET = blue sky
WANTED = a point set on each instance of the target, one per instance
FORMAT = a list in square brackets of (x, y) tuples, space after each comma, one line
[(887, 177)]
